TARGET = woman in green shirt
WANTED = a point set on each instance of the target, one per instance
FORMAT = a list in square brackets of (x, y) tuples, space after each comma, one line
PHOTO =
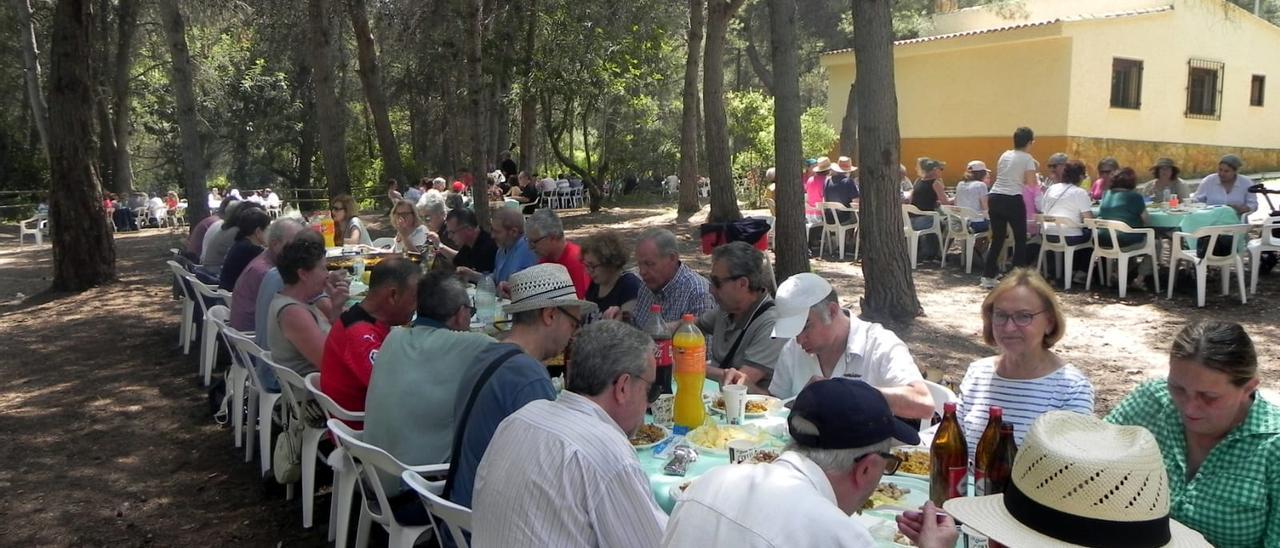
[(1123, 203), (1220, 440)]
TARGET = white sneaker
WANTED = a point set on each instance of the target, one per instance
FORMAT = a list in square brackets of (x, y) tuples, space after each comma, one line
[(987, 283)]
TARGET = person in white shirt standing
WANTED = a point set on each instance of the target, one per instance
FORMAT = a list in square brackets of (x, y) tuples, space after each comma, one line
[(562, 473), (828, 341), (1006, 210), (842, 431)]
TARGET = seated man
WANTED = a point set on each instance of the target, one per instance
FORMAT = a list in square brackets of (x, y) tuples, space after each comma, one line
[(514, 253), (740, 330), (545, 314), (842, 431), (476, 248), (828, 341), (668, 283), (562, 473), (546, 238), (353, 342)]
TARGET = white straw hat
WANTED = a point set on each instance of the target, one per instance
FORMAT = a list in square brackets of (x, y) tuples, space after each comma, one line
[(544, 285), (1079, 481)]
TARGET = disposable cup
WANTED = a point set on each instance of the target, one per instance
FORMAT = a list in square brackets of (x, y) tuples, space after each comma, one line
[(662, 409), (735, 403), (741, 450)]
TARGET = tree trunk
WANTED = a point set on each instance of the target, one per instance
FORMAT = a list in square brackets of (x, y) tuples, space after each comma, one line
[(127, 26), (84, 253), (528, 102), (331, 114), (849, 125), (724, 199), (890, 291), (31, 72), (193, 172), (371, 78), (307, 137), (792, 244), (753, 55), (689, 111), (101, 94), (473, 40), (590, 180)]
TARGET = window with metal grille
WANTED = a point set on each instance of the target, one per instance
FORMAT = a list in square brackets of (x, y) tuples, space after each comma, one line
[(1204, 89), (1126, 83), (1257, 90)]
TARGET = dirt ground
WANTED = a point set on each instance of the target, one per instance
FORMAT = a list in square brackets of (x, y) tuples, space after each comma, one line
[(107, 438)]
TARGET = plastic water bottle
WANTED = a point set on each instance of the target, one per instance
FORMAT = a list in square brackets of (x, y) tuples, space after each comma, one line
[(486, 300)]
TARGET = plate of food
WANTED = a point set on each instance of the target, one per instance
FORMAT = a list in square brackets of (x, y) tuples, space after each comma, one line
[(757, 405), (649, 435), (714, 438), (915, 462)]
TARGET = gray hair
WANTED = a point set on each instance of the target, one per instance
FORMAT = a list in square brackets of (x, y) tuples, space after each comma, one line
[(605, 350), (839, 461), (509, 218), (544, 222), (663, 239), (279, 231), (436, 208), (440, 295), (744, 260), (821, 308)]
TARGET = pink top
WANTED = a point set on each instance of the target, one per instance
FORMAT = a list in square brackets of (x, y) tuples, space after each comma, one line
[(813, 193), (244, 297), (1029, 194), (1096, 191)]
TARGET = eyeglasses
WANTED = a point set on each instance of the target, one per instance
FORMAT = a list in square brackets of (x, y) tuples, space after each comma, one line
[(655, 390), (1020, 319), (717, 282), (535, 241), (590, 266), (577, 322), (891, 461), (337, 208)]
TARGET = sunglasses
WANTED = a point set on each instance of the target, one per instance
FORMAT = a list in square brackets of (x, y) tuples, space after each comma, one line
[(891, 461)]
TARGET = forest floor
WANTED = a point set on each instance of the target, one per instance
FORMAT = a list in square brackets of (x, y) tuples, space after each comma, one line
[(107, 438)]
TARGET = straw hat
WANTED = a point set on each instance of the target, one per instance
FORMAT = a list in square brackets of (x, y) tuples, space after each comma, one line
[(824, 164), (1078, 481), (544, 285), (843, 165)]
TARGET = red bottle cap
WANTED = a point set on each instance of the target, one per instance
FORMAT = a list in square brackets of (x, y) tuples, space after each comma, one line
[(949, 407), (655, 308), (687, 318), (996, 411)]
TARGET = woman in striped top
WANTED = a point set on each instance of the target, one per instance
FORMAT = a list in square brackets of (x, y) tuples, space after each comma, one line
[(1021, 317)]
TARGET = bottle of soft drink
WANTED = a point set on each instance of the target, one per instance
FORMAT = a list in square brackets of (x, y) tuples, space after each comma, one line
[(689, 354), (327, 229), (1173, 201), (657, 329), (985, 456), (948, 459)]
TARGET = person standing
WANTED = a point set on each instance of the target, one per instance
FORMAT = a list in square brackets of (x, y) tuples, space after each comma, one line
[(1006, 209)]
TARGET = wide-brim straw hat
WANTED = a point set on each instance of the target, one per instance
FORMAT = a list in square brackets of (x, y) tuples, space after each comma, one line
[(546, 285), (824, 164), (1165, 162), (843, 165), (1079, 481)]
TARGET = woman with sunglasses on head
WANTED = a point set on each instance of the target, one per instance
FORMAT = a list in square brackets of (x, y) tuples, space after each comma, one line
[(346, 219), (1219, 438), (1022, 318), (410, 234)]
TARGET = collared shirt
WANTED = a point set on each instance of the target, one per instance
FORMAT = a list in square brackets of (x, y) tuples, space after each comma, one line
[(349, 352), (509, 260), (478, 256), (687, 293), (788, 502), (758, 348), (1212, 192), (1234, 498), (872, 354), (562, 473), (571, 260)]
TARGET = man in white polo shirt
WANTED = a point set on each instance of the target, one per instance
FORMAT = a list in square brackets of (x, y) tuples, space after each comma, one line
[(828, 341)]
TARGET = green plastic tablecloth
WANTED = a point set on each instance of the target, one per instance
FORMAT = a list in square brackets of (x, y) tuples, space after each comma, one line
[(1190, 221)]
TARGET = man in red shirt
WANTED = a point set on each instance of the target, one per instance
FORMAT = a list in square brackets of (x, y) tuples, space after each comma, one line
[(546, 237), (353, 342)]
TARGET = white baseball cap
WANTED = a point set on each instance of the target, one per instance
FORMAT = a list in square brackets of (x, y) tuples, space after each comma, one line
[(795, 297), (976, 165)]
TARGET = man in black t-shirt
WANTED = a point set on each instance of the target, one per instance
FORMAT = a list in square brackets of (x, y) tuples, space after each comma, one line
[(476, 248)]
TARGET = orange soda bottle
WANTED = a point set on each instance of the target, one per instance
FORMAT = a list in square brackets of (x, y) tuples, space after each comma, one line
[(327, 229), (689, 353)]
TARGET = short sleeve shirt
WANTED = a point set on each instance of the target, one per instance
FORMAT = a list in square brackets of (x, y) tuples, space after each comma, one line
[(873, 354), (687, 293), (758, 348), (1023, 400), (969, 194), (1065, 200), (623, 292), (571, 260), (1011, 172), (1212, 192), (480, 255), (1234, 498), (350, 350)]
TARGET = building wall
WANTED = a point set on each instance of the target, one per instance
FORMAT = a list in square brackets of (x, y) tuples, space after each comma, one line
[(1193, 160), (958, 151), (1029, 11)]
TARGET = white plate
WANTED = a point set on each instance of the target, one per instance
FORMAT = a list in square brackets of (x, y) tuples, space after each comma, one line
[(665, 437), (772, 402), (760, 434)]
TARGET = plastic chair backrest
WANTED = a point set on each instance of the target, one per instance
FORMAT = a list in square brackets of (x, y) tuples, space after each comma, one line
[(455, 516), (331, 408), (219, 313), (244, 352), (207, 291), (384, 243), (941, 395), (1116, 227), (1214, 232), (370, 460), (181, 276), (292, 386), (908, 210)]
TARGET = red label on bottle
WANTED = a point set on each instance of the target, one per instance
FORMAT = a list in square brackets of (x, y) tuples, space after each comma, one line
[(957, 482), (662, 352)]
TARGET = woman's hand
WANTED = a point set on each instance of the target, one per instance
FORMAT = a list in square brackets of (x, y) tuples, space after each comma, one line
[(611, 313), (338, 288), (928, 528)]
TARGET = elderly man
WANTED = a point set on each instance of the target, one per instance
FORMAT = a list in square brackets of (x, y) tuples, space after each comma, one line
[(828, 342), (668, 282), (842, 430), (353, 341), (507, 375), (546, 238), (476, 248), (742, 347), (409, 408), (244, 296), (514, 253), (562, 473)]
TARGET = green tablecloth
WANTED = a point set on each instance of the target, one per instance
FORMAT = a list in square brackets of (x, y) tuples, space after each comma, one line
[(1189, 221)]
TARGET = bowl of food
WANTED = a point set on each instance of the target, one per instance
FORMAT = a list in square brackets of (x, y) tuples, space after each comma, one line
[(915, 462), (715, 438), (649, 435), (757, 405)]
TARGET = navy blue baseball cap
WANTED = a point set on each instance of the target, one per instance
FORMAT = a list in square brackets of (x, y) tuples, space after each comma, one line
[(842, 413)]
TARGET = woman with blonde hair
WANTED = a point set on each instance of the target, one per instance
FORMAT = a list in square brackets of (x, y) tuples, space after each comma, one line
[(410, 233), (347, 221)]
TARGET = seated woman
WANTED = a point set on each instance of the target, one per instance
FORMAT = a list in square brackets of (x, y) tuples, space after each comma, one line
[(1065, 198), (972, 193), (1166, 180), (410, 234), (1227, 187), (1123, 203), (250, 239), (1102, 184), (612, 289), (351, 230), (1219, 438), (1021, 317), (299, 318)]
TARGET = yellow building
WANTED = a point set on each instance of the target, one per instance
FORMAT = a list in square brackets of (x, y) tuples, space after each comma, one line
[(1133, 79)]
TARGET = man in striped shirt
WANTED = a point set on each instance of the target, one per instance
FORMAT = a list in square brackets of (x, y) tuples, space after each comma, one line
[(563, 473)]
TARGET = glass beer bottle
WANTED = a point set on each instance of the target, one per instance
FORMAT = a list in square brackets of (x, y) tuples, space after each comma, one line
[(985, 455), (948, 459)]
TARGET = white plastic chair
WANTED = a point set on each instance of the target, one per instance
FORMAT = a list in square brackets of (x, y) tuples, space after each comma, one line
[(455, 516), (344, 469), (216, 320), (958, 219), (370, 461), (1061, 226), (384, 243), (208, 296), (831, 225), (185, 332), (1267, 242), (260, 402), (34, 226), (941, 395), (1225, 263), (296, 394), (1149, 248), (913, 235), (180, 214)]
